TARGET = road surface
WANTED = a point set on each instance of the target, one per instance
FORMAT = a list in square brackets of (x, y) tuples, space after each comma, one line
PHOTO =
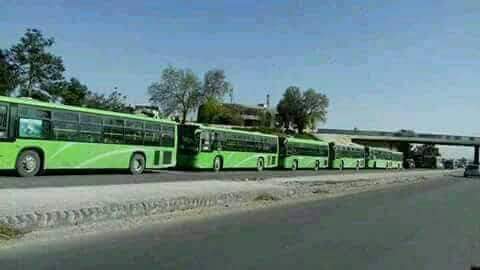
[(82, 178), (431, 225)]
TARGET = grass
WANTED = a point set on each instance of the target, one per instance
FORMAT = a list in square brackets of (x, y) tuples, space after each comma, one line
[(7, 233), (266, 197)]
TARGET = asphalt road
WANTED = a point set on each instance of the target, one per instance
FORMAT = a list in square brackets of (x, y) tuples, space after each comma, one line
[(432, 225), (82, 178)]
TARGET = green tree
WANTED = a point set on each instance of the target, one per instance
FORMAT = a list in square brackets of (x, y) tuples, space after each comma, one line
[(315, 106), (290, 106), (37, 68), (209, 111), (8, 75), (71, 92), (213, 112), (74, 93), (299, 110), (177, 91), (215, 84), (116, 102)]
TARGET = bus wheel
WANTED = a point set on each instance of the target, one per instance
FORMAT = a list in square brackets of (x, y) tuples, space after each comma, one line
[(294, 165), (317, 165), (260, 164), (217, 164), (137, 164), (28, 163)]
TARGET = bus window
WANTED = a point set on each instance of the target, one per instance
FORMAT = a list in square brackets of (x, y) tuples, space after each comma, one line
[(33, 128), (3, 120), (205, 141)]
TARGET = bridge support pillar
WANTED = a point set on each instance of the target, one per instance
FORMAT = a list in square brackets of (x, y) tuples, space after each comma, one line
[(476, 154)]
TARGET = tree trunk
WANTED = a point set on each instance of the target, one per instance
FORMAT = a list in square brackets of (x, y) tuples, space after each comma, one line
[(184, 116)]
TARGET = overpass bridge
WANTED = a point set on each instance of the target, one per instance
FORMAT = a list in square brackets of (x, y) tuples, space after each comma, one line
[(390, 139)]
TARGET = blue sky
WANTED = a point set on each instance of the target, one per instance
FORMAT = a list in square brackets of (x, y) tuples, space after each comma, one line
[(384, 64)]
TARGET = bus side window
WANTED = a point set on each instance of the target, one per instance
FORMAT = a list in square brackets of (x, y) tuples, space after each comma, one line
[(3, 120), (34, 123), (217, 141), (205, 141)]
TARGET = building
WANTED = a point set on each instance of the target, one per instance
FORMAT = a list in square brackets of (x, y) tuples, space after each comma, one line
[(252, 116)]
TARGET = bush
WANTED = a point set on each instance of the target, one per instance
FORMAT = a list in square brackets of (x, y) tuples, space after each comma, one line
[(213, 112), (7, 233)]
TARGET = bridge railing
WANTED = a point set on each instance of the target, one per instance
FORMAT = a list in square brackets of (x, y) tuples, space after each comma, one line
[(406, 134)]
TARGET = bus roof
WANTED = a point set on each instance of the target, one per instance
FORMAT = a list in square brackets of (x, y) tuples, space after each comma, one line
[(384, 150), (32, 102), (307, 141), (353, 145), (203, 126)]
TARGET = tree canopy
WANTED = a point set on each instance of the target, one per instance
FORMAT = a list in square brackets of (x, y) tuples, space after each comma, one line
[(215, 84), (301, 109), (35, 65), (213, 112), (8, 76), (28, 68), (180, 90), (115, 101)]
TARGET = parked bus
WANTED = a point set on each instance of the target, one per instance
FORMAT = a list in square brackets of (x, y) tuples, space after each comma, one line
[(205, 147), (347, 156), (397, 160), (383, 158), (36, 136), (303, 154)]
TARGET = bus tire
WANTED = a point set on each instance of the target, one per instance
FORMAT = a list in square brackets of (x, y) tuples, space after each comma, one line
[(294, 165), (28, 163), (217, 164), (317, 165), (137, 164), (260, 164)]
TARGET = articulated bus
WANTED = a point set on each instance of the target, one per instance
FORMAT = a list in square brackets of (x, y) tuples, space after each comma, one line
[(347, 156), (35, 136), (383, 158), (205, 147), (303, 154)]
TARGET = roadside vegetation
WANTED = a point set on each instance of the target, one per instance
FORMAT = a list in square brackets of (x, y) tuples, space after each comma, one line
[(8, 233), (30, 68)]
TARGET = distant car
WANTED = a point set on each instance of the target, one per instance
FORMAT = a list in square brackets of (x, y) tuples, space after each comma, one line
[(471, 170)]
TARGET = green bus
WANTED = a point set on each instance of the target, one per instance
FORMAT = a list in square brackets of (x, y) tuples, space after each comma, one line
[(383, 158), (206, 147), (303, 154), (397, 160), (347, 156), (35, 136)]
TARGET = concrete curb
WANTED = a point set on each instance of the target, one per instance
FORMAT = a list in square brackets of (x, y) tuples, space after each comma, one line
[(37, 220), (49, 219)]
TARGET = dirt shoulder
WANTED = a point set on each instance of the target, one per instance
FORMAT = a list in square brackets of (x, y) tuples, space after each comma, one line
[(284, 192)]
